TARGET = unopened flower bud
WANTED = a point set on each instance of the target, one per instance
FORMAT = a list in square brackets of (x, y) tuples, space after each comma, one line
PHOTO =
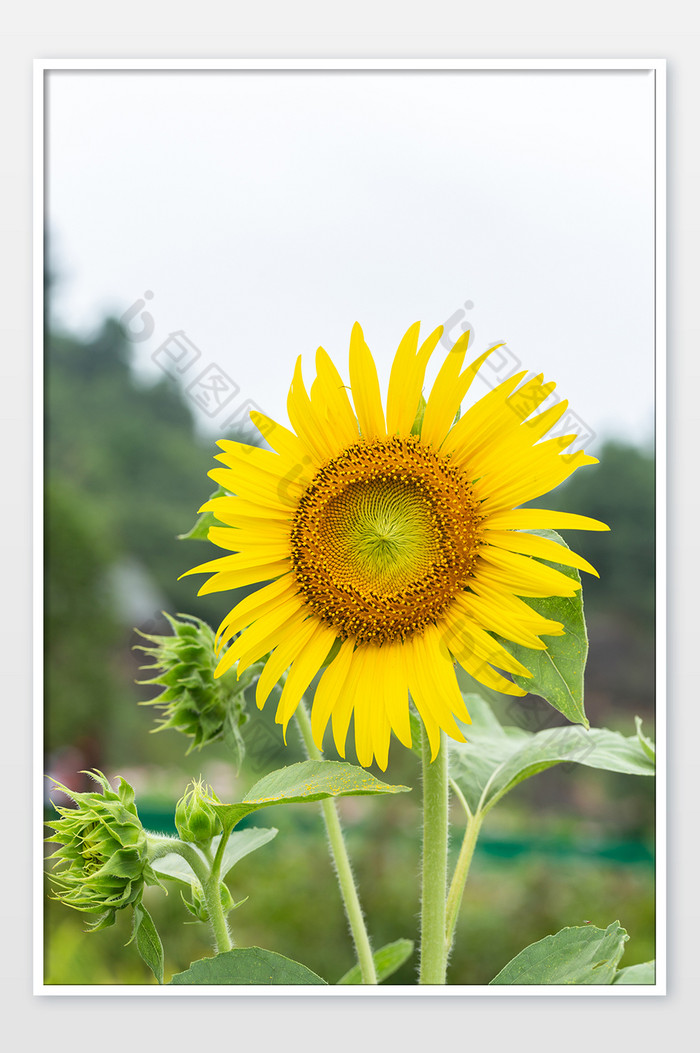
[(193, 701), (195, 818), (103, 864)]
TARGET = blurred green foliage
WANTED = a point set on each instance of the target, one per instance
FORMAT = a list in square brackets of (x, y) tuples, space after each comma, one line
[(125, 474), (620, 492)]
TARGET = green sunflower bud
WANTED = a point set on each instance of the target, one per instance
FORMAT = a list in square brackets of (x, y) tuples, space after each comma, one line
[(193, 701), (195, 818), (103, 864)]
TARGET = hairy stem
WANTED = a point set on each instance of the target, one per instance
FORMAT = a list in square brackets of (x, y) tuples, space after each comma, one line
[(459, 878), (341, 861), (433, 956), (212, 896), (207, 876)]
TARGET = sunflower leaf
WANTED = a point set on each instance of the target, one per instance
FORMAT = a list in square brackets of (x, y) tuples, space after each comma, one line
[(249, 966), (557, 673), (310, 780), (148, 941), (240, 844), (496, 758), (200, 530), (646, 743), (644, 973), (579, 955), (386, 961)]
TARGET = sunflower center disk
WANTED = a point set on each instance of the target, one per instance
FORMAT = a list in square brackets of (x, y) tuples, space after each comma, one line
[(384, 538)]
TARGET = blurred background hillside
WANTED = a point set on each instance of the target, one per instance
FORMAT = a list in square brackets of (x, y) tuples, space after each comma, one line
[(126, 470)]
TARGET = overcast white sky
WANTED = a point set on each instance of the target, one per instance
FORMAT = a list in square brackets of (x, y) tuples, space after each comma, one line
[(267, 211)]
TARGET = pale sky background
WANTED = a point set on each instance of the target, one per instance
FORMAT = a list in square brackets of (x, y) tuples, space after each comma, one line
[(267, 211)]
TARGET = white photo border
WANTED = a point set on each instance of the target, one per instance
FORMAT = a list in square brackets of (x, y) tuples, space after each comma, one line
[(657, 69)]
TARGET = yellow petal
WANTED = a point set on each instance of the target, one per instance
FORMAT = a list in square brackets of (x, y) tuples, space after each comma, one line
[(246, 611), (282, 439), (542, 548), (394, 691), (263, 635), (342, 710), (486, 417), (407, 378), (253, 459), (298, 633), (464, 635), (497, 494), (328, 691), (251, 550), (304, 668), (428, 694), (365, 387), (482, 671), (541, 519), (522, 575), (263, 514), (449, 390), (498, 613), (238, 578), (274, 491), (262, 527), (364, 703), (329, 395), (312, 431), (258, 605)]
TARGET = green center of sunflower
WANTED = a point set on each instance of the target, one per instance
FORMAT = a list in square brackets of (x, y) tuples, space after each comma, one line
[(382, 534), (384, 538)]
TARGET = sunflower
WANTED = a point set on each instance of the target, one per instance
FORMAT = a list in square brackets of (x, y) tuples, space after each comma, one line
[(389, 546)]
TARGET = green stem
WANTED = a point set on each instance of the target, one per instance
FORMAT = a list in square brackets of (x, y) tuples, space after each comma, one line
[(207, 877), (433, 958), (159, 845), (341, 861), (212, 898), (459, 878)]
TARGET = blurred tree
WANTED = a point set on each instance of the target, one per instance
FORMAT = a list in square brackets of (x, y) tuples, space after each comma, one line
[(126, 474), (80, 627), (620, 492), (129, 449)]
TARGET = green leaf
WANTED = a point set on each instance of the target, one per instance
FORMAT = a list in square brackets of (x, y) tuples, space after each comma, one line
[(310, 780), (200, 530), (581, 955), (557, 673), (240, 844), (247, 965), (386, 961), (646, 743), (496, 758), (148, 941), (645, 973)]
